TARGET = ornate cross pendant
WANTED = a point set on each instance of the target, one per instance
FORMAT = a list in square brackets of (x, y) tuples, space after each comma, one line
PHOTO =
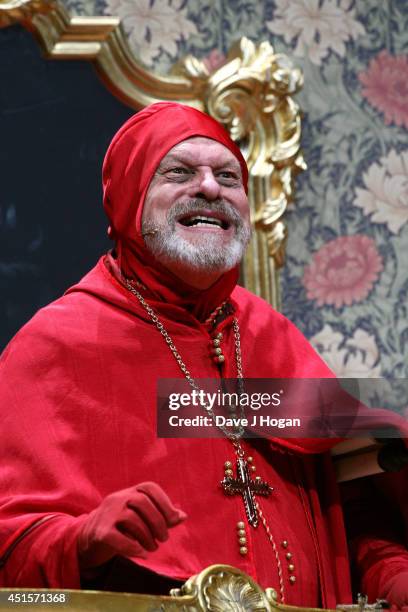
[(245, 486)]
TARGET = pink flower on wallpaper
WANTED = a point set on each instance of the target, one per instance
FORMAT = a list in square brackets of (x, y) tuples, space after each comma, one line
[(385, 86), (214, 60), (343, 271)]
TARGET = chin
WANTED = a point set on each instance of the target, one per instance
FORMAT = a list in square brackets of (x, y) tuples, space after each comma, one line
[(204, 258)]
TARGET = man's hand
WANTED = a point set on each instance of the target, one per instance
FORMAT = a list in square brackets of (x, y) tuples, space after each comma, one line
[(127, 523)]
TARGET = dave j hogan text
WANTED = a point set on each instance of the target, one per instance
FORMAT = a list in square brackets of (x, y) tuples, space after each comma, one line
[(257, 420)]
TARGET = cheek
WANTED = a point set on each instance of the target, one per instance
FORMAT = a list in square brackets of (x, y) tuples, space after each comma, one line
[(158, 213), (156, 207), (169, 197)]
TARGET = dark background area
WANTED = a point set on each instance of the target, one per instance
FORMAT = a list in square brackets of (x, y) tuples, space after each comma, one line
[(56, 122)]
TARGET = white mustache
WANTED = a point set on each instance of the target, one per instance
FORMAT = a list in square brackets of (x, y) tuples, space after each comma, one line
[(198, 205)]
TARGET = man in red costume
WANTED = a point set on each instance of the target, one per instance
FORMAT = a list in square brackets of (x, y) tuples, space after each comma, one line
[(89, 494)]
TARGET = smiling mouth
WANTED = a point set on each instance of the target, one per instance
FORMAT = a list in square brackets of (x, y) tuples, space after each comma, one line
[(195, 220)]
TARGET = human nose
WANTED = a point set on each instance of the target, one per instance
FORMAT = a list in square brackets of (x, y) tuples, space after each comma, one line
[(207, 185)]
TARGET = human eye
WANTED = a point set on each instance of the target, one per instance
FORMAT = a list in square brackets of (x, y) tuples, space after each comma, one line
[(229, 177), (178, 170), (179, 173)]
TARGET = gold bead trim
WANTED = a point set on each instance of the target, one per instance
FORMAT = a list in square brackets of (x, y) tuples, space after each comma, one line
[(291, 565), (216, 350), (228, 471), (242, 540), (275, 550)]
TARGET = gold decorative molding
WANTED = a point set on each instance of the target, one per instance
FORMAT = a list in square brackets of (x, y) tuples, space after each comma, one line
[(221, 587), (251, 94), (103, 41), (216, 589)]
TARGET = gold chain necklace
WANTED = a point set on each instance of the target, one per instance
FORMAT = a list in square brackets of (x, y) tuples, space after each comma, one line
[(242, 484), (233, 436)]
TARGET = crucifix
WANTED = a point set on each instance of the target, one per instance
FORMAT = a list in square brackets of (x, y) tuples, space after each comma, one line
[(244, 485)]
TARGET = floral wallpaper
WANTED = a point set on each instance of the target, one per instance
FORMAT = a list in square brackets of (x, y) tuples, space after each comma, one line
[(345, 284)]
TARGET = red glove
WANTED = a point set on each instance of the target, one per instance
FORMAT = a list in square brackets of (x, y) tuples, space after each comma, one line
[(127, 523), (396, 591)]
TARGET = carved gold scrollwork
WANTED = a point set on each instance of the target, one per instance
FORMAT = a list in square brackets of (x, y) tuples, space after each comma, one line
[(221, 587), (251, 94)]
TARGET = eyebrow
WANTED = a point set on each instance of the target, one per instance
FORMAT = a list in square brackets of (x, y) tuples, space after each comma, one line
[(172, 158), (169, 159)]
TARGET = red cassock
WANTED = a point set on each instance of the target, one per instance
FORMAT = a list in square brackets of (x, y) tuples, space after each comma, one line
[(83, 424), (78, 396)]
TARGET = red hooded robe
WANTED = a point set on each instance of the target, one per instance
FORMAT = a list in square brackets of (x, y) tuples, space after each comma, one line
[(78, 397)]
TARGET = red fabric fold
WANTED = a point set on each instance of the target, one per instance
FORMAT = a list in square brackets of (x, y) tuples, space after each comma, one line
[(46, 557)]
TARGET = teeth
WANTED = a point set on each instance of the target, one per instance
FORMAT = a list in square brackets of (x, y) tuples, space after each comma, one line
[(202, 224), (199, 220)]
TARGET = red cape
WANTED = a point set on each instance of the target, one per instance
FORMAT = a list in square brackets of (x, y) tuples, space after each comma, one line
[(82, 424)]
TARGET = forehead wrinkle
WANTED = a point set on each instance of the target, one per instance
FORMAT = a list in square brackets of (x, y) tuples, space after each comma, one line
[(169, 158)]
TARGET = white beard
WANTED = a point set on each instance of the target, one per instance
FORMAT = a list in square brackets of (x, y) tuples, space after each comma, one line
[(210, 253)]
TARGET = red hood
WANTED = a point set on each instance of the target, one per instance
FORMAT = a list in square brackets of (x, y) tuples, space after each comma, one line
[(130, 162)]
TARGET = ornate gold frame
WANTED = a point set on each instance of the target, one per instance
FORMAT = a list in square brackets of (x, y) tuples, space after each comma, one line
[(251, 94)]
